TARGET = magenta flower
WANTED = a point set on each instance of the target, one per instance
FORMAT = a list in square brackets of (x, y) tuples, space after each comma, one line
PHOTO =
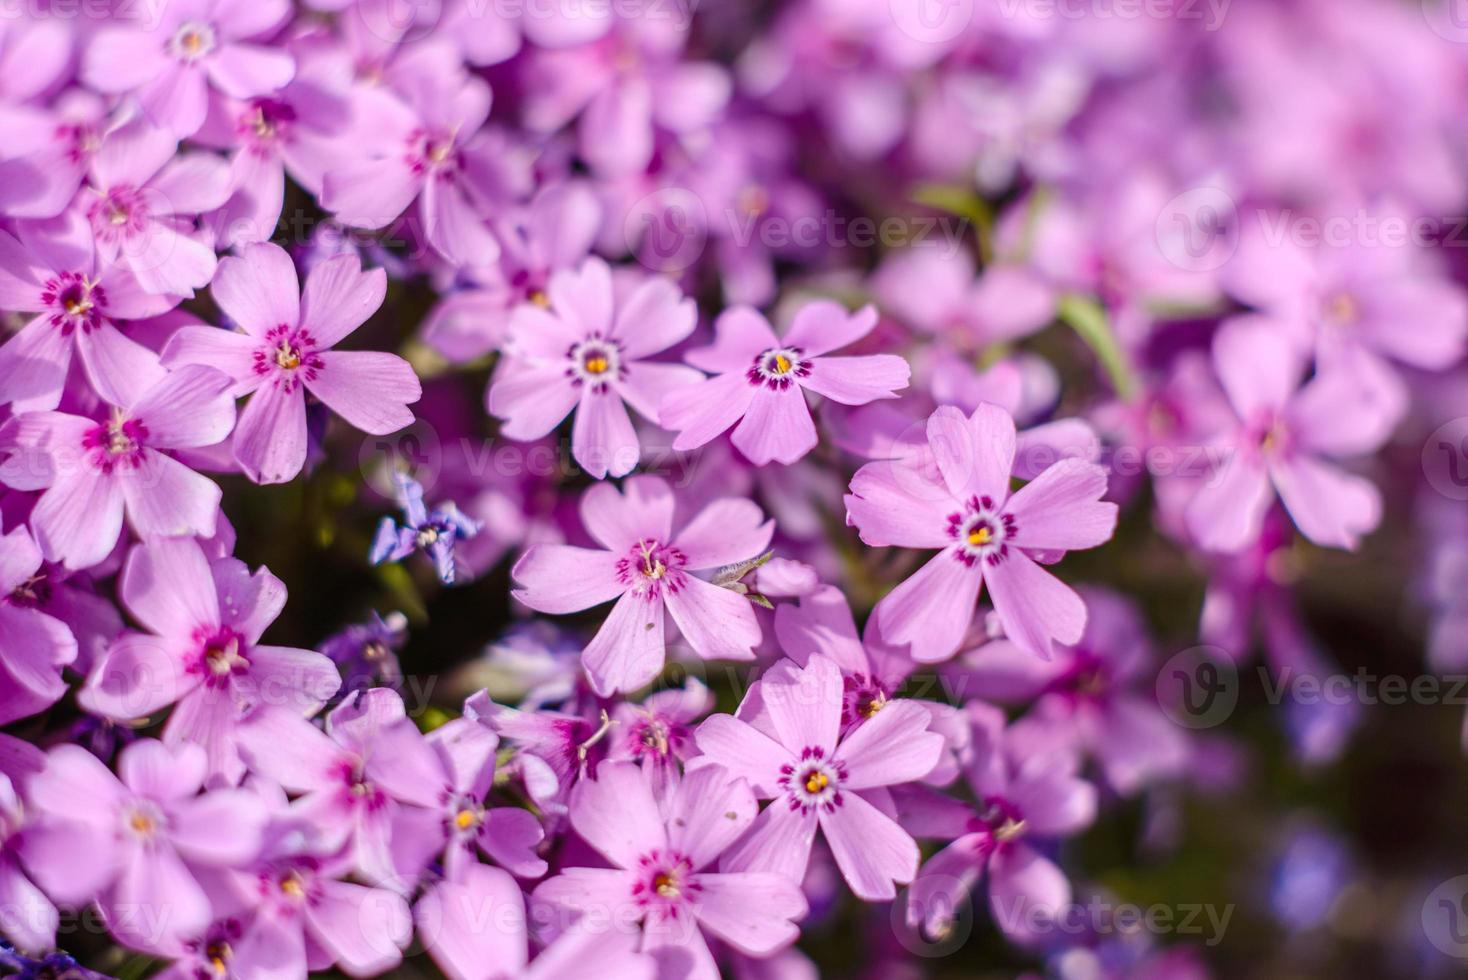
[(370, 781), (203, 652), (939, 292), (1024, 801), (507, 834), (960, 502), (26, 915), (77, 300), (94, 471), (49, 153), (760, 381), (285, 350), (132, 844), (658, 733), (193, 45), (451, 919), (1280, 443), (660, 878), (290, 909), (646, 567), (37, 646), (585, 354), (819, 778), (425, 149), (142, 196)]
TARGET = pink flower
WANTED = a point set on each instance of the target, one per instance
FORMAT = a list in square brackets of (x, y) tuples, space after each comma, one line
[(370, 781), (302, 913), (760, 380), (285, 350), (940, 292), (170, 64), (1282, 436), (55, 273), (585, 354), (132, 844), (646, 567), (451, 919), (1024, 800), (425, 149), (507, 834), (26, 914), (818, 778), (143, 193), (94, 471), (203, 653), (657, 734), (958, 500), (47, 154), (659, 879), (37, 646)]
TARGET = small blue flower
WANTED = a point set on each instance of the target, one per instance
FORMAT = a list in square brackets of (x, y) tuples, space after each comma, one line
[(366, 652), (433, 532)]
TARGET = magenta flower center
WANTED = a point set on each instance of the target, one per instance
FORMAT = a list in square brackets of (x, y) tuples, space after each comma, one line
[(664, 882), (981, 532), (778, 368), (862, 698), (289, 354), (595, 363), (433, 152), (193, 40), (74, 301), (812, 781), (116, 442), (265, 122), (121, 214), (1002, 820), (650, 567), (221, 657), (33, 592), (1269, 433)]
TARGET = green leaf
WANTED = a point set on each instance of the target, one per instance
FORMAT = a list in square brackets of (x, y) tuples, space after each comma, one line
[(1086, 317), (967, 204)]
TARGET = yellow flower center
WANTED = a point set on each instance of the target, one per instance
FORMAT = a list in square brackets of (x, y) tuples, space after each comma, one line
[(287, 357), (666, 885), (816, 782), (540, 299), (596, 364), (465, 819), (782, 364), (978, 536)]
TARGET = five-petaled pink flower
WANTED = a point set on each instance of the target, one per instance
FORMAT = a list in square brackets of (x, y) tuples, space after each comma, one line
[(792, 751), (661, 877), (761, 381), (95, 470), (285, 350), (955, 496), (203, 653), (585, 354), (170, 64), (646, 566)]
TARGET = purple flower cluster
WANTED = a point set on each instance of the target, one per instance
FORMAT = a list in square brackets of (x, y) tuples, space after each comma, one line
[(712, 335)]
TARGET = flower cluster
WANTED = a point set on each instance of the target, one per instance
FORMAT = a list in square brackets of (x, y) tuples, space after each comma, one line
[(802, 406)]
